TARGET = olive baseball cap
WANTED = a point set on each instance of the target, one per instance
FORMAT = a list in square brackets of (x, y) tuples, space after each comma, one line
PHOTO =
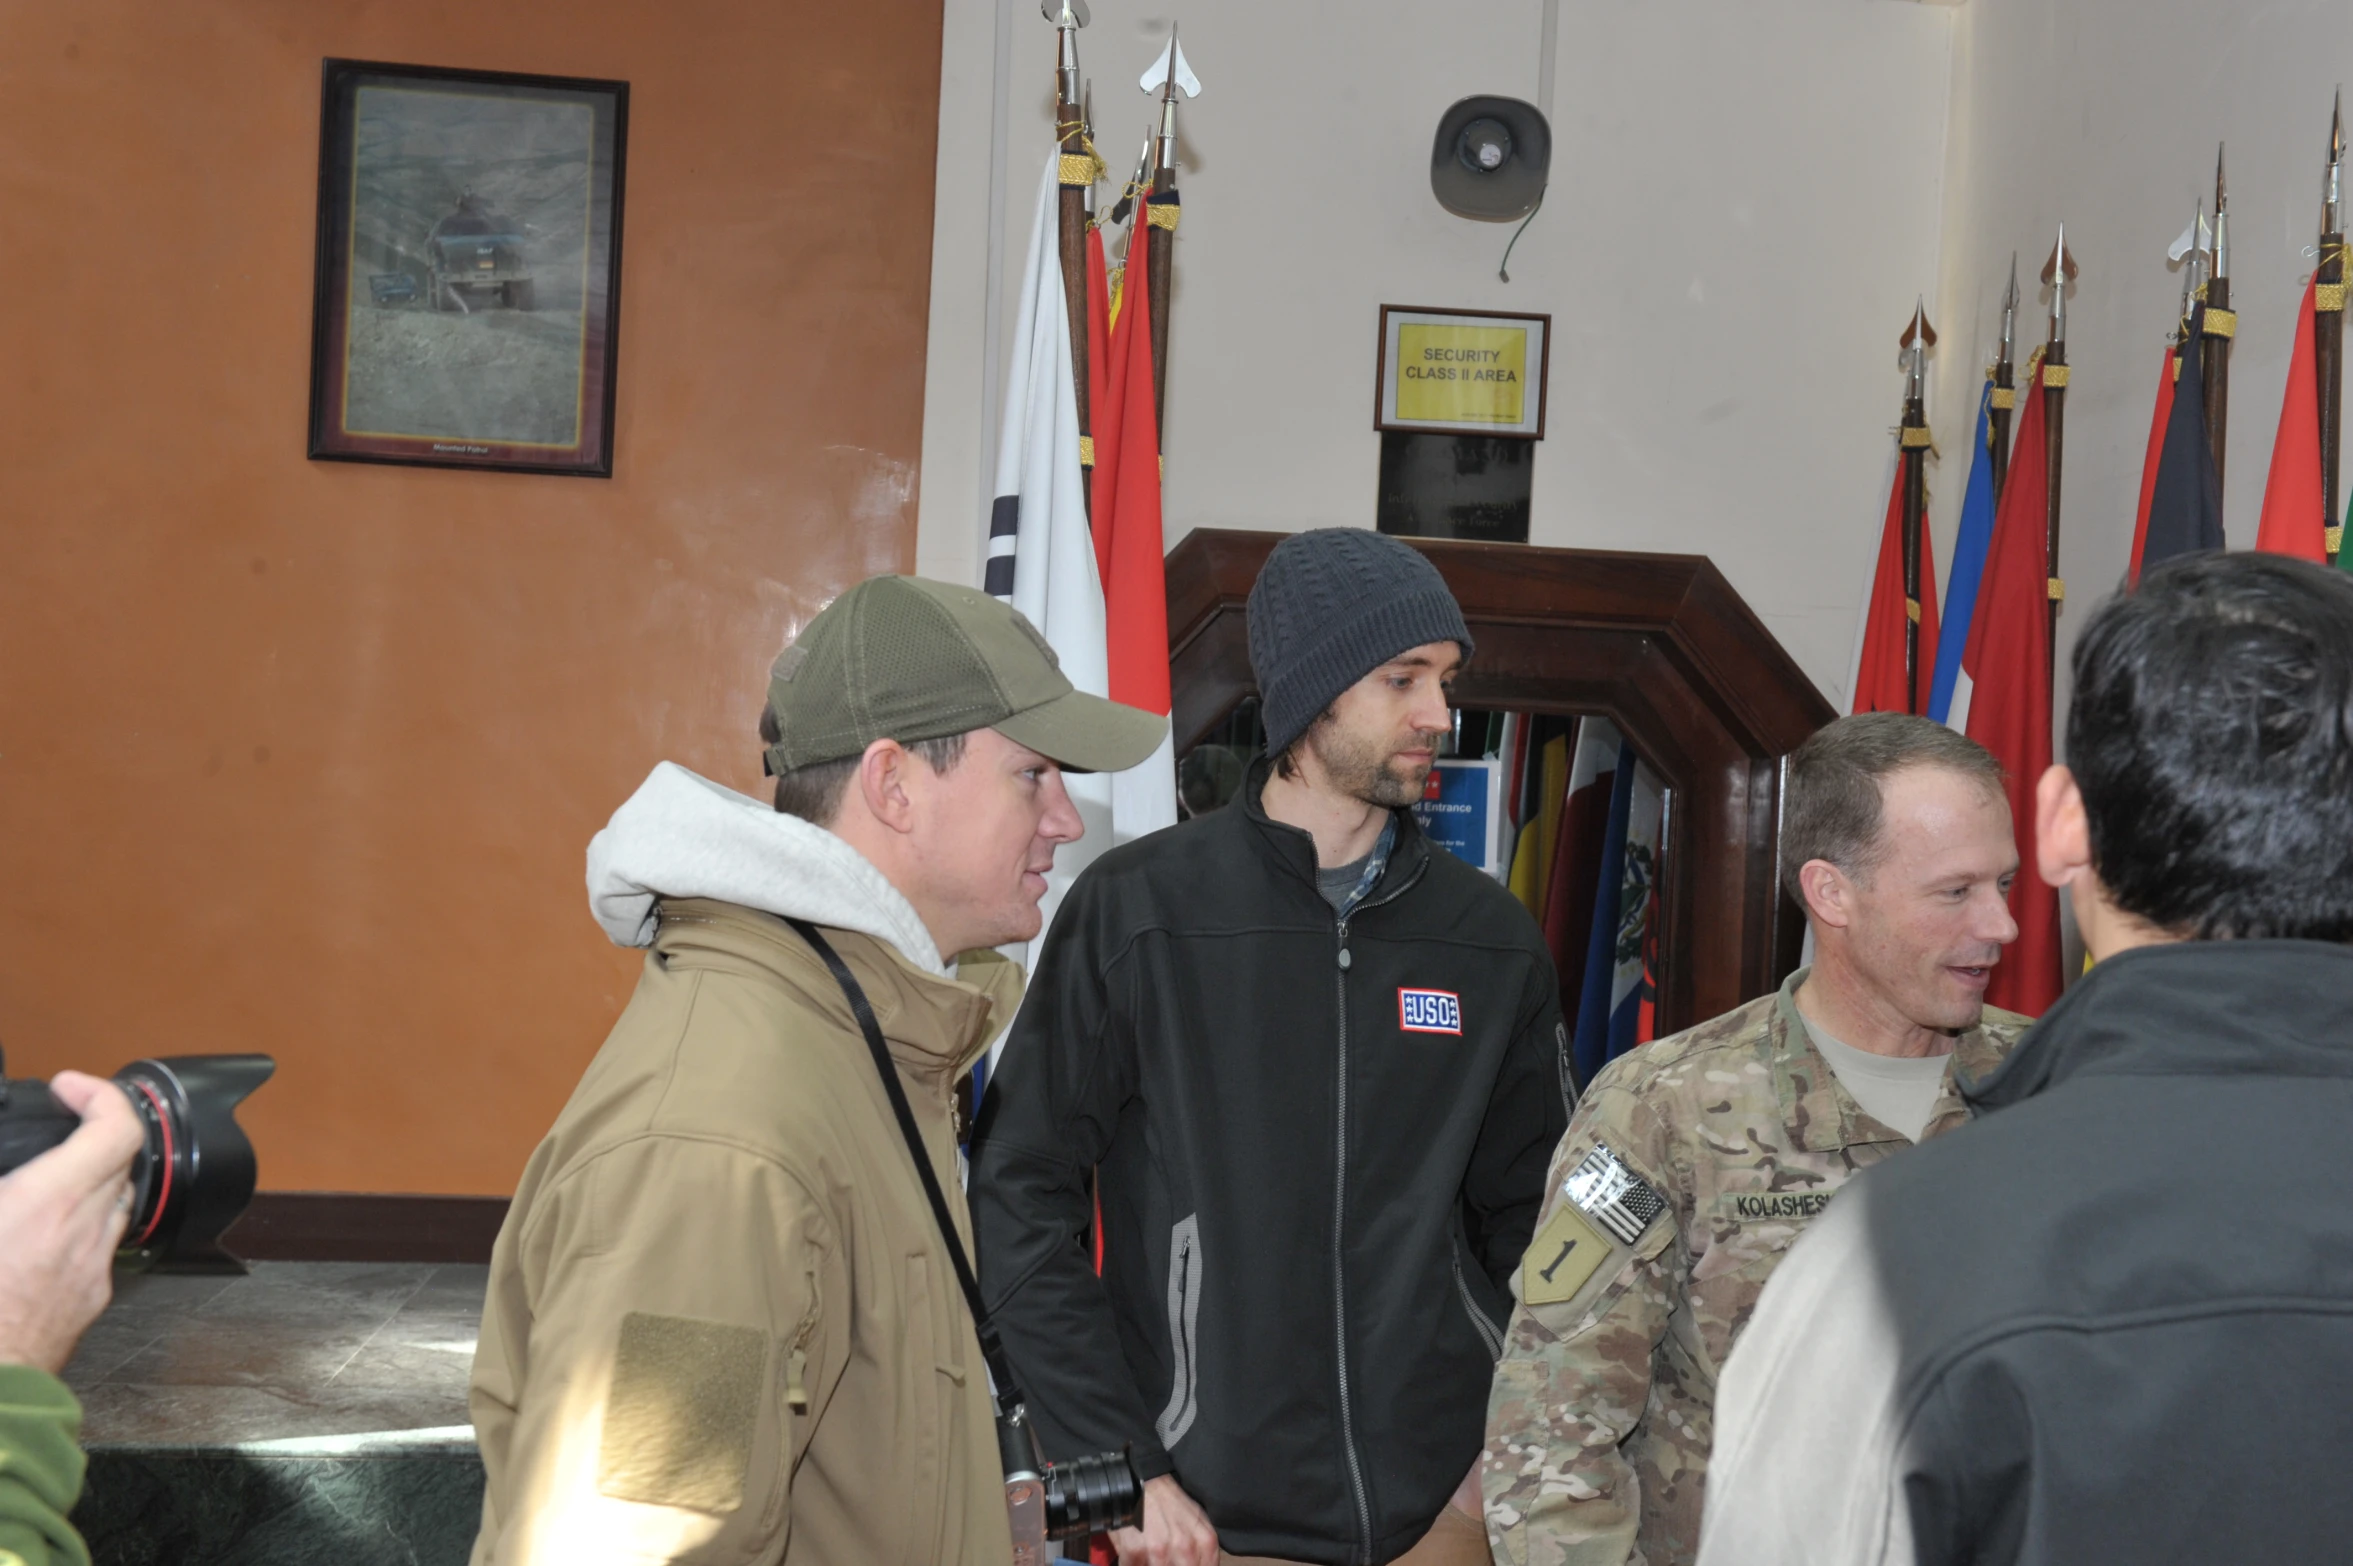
[(905, 658)]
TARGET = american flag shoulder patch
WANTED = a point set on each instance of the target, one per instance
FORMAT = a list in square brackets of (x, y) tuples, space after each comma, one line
[(1612, 1195)]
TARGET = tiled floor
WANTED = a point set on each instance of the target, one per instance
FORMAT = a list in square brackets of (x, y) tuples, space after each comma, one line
[(293, 1352), (311, 1414)]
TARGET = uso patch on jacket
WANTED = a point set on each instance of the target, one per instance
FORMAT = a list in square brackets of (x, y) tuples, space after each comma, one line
[(1429, 1011)]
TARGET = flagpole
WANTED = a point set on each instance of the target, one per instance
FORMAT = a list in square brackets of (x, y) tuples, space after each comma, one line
[(1078, 174), (2328, 324), (2222, 323), (2005, 397), (1912, 448), (1161, 211), (2054, 372)]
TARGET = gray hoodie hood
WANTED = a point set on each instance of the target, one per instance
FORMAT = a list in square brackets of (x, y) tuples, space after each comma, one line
[(681, 835)]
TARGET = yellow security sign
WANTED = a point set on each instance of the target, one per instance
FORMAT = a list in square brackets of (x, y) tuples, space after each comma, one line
[(1462, 374)]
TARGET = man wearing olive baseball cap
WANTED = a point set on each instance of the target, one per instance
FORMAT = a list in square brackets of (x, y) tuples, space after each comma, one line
[(722, 1323)]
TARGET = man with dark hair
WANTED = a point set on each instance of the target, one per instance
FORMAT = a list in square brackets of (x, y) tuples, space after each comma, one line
[(1318, 1063), (1695, 1162), (2113, 1320), (723, 1324)]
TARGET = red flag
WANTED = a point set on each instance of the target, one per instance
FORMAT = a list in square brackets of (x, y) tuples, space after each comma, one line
[(2140, 524), (2294, 511), (2003, 702), (1127, 496), (1098, 384), (1879, 677)]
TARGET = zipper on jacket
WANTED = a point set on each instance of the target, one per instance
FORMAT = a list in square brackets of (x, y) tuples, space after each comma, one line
[(796, 1362), (1487, 1330), (1364, 1515)]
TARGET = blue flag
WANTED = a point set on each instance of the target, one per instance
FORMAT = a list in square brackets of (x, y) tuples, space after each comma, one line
[(1597, 1002), (2185, 509), (1969, 547)]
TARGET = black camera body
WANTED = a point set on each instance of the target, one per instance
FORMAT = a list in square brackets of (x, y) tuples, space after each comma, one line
[(1046, 1501), (196, 1173)]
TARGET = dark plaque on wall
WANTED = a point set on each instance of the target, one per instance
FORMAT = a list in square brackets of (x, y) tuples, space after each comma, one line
[(1456, 486), (469, 268)]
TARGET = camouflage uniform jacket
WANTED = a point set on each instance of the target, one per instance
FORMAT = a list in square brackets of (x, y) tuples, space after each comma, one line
[(1628, 1299)]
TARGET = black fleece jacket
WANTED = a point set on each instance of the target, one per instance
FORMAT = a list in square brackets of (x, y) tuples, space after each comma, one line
[(1321, 1148)]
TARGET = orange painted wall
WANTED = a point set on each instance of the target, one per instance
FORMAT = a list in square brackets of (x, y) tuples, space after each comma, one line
[(303, 757)]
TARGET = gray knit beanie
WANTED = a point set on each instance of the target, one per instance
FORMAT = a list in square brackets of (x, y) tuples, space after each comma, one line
[(1330, 606)]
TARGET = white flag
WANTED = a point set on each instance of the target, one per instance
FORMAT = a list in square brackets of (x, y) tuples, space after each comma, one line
[(1041, 552)]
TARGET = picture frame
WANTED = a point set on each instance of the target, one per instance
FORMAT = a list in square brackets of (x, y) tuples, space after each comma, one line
[(1462, 372), (468, 277)]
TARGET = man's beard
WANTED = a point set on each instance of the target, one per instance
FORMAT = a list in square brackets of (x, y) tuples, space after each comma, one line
[(1367, 770)]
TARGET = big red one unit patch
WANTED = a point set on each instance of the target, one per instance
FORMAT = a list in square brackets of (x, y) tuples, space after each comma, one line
[(1429, 1011)]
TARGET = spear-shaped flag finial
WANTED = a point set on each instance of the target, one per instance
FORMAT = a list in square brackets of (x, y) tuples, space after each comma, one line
[(2059, 271), (1167, 75), (2333, 185), (1068, 16), (1918, 338), (2192, 249), (2182, 326), (1171, 69), (2221, 218), (2010, 310), (1141, 180)]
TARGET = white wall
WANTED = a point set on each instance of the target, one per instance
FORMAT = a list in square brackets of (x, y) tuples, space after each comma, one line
[(2105, 113), (1745, 201)]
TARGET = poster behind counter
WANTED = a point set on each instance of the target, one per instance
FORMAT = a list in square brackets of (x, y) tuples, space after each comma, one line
[(1462, 811)]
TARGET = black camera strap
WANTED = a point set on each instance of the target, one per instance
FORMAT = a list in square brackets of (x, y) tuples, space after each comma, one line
[(992, 1350)]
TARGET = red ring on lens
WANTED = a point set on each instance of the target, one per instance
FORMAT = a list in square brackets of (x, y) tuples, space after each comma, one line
[(163, 1119)]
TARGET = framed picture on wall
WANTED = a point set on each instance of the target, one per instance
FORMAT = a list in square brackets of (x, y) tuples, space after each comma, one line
[(469, 269), (1462, 372)]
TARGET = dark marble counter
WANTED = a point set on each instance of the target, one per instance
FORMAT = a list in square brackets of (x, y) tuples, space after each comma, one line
[(312, 1412)]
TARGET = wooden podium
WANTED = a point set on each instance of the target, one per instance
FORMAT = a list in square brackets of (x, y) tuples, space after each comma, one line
[(1661, 646)]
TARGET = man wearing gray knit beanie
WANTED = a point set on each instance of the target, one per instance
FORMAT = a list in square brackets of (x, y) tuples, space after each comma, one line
[(1300, 1073)]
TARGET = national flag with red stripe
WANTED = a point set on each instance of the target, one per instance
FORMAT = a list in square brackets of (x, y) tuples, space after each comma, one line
[(2295, 511), (1128, 536), (1879, 675), (2149, 461), (2003, 701)]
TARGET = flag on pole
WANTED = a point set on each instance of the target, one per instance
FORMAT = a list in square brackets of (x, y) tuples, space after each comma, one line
[(1041, 551), (2002, 700), (1614, 993), (1572, 889), (2185, 507), (1879, 677), (1128, 525), (1969, 544), (1098, 378), (2294, 509), (2149, 460)]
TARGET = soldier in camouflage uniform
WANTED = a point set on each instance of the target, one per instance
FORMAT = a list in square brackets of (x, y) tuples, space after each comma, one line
[(1689, 1169)]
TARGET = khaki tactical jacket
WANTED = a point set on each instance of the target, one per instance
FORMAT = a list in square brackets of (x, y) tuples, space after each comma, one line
[(722, 1325), (1691, 1167)]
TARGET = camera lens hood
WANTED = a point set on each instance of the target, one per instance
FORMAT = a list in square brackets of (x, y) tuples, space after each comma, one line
[(198, 1173)]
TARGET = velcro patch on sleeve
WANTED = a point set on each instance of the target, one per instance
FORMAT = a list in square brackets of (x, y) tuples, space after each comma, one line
[(1613, 1195), (1561, 1257), (684, 1406)]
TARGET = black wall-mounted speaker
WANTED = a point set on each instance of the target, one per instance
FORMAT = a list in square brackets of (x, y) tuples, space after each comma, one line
[(1491, 159)]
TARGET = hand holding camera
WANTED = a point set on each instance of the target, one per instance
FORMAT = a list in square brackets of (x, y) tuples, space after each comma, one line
[(61, 1216)]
